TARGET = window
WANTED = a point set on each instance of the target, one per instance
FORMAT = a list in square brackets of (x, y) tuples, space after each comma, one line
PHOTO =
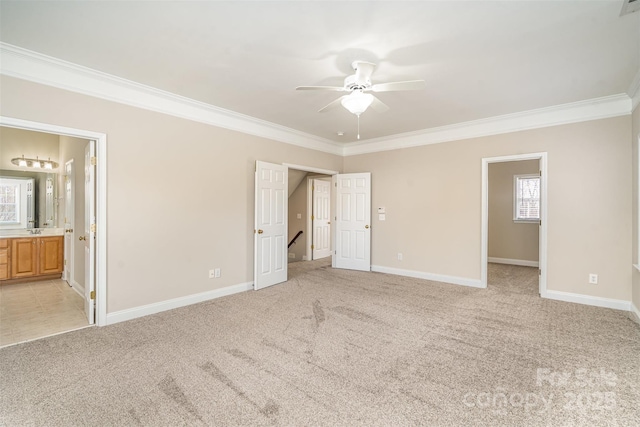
[(16, 202), (526, 198), (9, 203)]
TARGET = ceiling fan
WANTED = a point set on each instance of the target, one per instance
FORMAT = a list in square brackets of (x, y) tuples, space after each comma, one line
[(358, 84)]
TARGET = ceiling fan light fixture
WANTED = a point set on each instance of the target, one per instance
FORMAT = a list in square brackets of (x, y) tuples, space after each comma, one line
[(357, 102)]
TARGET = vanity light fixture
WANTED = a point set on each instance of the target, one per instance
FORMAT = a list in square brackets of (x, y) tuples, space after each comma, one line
[(25, 162)]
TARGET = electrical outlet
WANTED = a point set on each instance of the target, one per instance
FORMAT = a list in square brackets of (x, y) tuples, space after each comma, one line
[(216, 272), (399, 256), (212, 274), (593, 279)]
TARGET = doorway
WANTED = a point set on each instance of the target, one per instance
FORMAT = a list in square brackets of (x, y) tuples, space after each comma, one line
[(352, 215), (96, 230), (526, 216), (309, 216)]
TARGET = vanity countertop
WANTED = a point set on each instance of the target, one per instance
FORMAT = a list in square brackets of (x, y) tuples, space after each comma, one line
[(12, 234)]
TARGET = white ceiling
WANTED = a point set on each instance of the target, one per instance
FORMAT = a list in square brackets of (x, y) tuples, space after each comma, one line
[(480, 58)]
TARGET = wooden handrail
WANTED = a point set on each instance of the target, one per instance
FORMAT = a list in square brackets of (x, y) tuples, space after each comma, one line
[(294, 239)]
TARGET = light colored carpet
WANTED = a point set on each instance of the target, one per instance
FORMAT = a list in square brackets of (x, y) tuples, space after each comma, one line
[(335, 347)]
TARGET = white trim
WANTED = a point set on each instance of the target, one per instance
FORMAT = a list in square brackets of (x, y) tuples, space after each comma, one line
[(78, 288), (520, 262), (464, 281), (32, 66), (592, 109), (542, 238), (636, 266), (635, 312), (101, 199), (311, 169), (29, 65), (145, 310), (638, 202), (309, 237), (589, 300), (634, 91)]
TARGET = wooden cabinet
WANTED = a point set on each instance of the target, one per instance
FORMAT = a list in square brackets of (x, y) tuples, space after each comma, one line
[(24, 257), (4, 259), (51, 255), (31, 257)]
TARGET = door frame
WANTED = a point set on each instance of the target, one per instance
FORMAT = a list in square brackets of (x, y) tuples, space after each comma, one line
[(542, 235), (69, 264), (101, 199), (309, 253), (309, 238)]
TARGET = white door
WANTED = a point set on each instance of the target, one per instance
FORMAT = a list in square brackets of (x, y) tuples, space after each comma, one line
[(89, 232), (321, 219), (270, 245), (69, 209), (352, 222)]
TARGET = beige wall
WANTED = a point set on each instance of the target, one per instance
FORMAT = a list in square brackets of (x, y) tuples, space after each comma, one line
[(298, 205), (432, 196), (18, 142), (180, 193), (509, 239), (636, 260), (166, 231), (73, 149)]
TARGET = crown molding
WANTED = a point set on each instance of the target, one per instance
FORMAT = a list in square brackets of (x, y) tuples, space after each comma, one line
[(28, 65), (592, 109)]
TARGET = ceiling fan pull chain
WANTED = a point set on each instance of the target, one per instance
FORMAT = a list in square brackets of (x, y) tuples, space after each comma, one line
[(358, 126)]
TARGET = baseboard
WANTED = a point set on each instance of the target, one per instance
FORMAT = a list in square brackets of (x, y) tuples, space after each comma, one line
[(588, 300), (521, 262), (475, 283), (145, 310), (634, 312), (78, 288)]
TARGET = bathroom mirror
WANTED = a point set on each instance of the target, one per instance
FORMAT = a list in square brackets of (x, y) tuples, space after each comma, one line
[(27, 199)]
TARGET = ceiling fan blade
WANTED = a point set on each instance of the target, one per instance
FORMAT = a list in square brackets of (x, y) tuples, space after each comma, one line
[(408, 85), (332, 104), (379, 106), (333, 88)]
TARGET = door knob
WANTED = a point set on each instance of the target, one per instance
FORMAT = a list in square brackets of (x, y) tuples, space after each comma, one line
[(366, 226), (82, 238), (260, 231)]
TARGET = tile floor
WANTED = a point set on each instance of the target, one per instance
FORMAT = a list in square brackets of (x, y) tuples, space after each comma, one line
[(33, 310)]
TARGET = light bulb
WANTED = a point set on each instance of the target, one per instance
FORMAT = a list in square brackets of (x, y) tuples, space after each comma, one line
[(358, 102)]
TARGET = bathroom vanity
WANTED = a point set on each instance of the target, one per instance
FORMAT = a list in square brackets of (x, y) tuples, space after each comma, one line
[(33, 257)]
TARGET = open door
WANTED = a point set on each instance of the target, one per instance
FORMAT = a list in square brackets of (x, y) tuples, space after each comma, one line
[(69, 209), (352, 221), (321, 219), (271, 218), (89, 232)]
